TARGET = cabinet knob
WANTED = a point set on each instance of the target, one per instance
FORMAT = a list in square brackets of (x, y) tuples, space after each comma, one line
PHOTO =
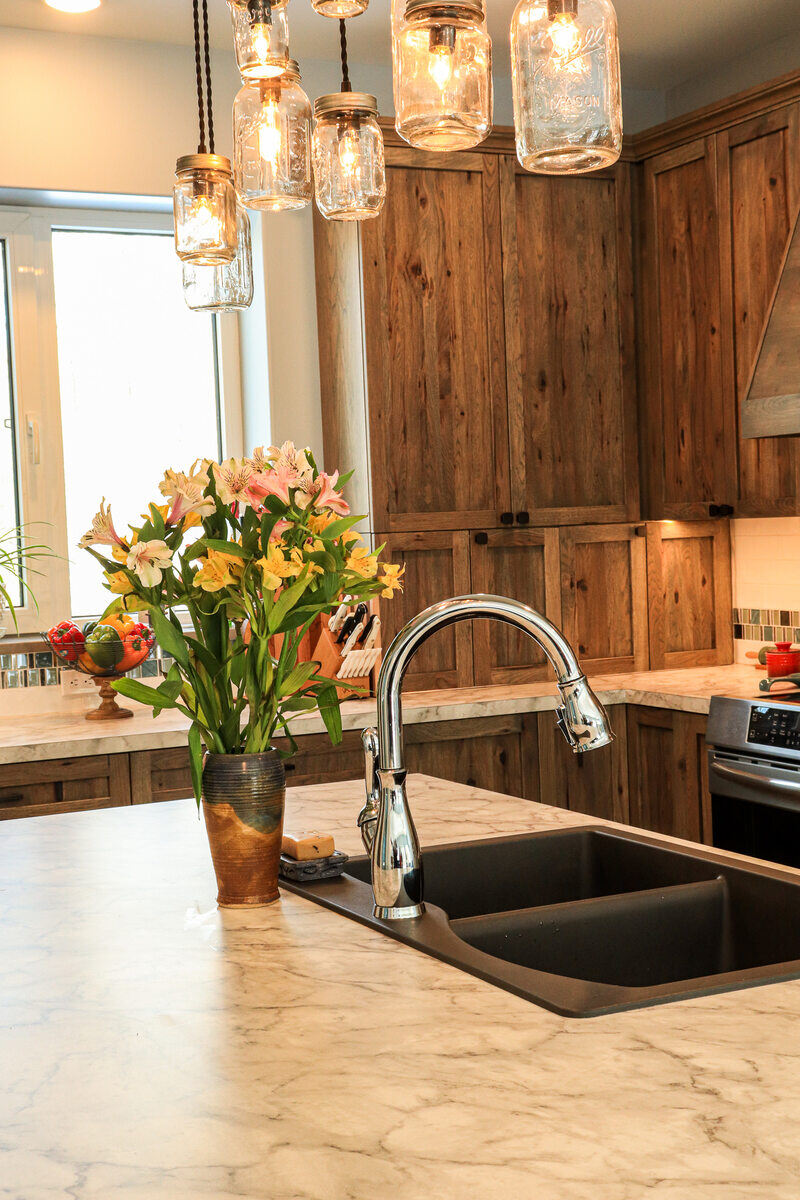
[(720, 510), (523, 518), (290, 766), (507, 518), (481, 539), (472, 783)]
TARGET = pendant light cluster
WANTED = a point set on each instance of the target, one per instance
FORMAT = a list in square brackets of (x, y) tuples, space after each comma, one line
[(212, 230)]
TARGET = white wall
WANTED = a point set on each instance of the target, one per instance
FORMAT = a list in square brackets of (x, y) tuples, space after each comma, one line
[(761, 64)]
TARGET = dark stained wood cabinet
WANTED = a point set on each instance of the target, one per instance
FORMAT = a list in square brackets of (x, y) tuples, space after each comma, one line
[(689, 593), (433, 323), (596, 783), (497, 753), (604, 596), (569, 322), (64, 785), (522, 564), (667, 779), (160, 775), (688, 420), (758, 171), (436, 567)]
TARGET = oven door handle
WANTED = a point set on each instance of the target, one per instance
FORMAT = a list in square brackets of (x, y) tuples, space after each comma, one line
[(766, 783)]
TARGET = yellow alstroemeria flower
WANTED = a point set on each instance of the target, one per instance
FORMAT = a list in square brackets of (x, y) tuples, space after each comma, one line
[(362, 562), (317, 522), (275, 567), (119, 583), (218, 570), (391, 577)]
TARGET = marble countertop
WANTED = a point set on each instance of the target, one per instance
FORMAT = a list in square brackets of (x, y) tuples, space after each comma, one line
[(40, 737), (154, 1048)]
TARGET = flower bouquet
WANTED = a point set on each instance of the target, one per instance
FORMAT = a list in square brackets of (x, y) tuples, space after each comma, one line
[(233, 568)]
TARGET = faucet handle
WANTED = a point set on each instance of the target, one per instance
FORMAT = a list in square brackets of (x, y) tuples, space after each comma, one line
[(368, 817)]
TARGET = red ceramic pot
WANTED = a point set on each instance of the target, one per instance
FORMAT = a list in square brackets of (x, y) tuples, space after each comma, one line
[(782, 660)]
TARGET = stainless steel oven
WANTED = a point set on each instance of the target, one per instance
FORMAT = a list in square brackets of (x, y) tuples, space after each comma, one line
[(754, 777)]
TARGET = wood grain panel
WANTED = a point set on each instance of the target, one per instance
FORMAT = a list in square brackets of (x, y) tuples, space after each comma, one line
[(435, 347), (596, 783), (522, 564), (569, 338), (436, 568), (666, 772), (758, 166), (686, 411), (484, 752), (689, 593), (604, 596), (64, 785)]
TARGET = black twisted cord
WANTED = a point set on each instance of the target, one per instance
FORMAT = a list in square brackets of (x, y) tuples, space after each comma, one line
[(343, 42), (209, 108), (201, 149)]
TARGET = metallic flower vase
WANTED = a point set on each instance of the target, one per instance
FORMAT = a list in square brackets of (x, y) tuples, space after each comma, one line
[(243, 799)]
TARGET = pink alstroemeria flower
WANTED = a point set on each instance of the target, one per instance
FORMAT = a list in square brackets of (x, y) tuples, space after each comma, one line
[(102, 532), (272, 483), (327, 496)]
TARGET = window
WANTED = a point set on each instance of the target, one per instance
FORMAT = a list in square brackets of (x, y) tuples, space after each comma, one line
[(116, 380)]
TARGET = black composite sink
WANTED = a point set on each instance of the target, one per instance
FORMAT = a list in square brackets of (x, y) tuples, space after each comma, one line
[(589, 921)]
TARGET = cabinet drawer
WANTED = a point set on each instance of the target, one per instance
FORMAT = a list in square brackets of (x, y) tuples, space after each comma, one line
[(160, 775), (64, 785)]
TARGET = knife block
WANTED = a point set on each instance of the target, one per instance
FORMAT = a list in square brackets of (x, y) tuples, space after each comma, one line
[(329, 656)]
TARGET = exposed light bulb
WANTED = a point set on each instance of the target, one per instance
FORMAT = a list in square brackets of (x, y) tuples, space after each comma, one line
[(204, 223), (260, 37), (441, 65), (564, 35), (269, 132), (73, 6), (349, 151)]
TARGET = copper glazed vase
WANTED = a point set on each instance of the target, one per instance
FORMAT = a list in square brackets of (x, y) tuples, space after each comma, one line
[(243, 799)]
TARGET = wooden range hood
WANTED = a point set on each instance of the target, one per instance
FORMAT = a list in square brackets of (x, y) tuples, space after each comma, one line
[(771, 407)]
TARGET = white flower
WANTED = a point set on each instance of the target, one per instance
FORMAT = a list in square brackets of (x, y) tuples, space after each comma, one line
[(149, 560), (233, 480), (291, 461), (102, 532), (187, 492)]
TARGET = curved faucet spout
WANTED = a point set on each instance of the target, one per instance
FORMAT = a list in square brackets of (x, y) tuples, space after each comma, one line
[(396, 864)]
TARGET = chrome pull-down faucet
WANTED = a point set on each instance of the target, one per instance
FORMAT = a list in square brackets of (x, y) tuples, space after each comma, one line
[(387, 828)]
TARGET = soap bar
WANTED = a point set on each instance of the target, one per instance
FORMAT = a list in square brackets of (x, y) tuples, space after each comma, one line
[(303, 847)]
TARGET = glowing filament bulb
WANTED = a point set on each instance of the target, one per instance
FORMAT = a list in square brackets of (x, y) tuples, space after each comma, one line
[(441, 65), (269, 133), (349, 149), (564, 35), (260, 40), (204, 224)]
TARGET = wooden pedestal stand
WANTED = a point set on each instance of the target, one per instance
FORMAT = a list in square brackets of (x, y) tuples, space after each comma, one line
[(109, 710)]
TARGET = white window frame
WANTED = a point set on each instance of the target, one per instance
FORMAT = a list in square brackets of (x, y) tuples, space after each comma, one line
[(27, 233)]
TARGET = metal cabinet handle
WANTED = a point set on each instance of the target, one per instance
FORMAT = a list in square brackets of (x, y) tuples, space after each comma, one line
[(720, 510), (764, 782)]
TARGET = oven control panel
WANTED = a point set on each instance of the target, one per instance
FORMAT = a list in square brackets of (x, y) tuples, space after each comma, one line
[(774, 727)]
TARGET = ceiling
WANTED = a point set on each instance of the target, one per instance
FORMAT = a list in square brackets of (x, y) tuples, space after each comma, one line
[(664, 42)]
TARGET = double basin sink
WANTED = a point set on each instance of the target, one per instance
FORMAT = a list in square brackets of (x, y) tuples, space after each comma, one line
[(592, 920)]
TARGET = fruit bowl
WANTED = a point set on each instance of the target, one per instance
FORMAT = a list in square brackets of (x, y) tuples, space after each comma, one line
[(106, 649)]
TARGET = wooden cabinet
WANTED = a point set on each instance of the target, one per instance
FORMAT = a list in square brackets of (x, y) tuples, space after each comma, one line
[(604, 596), (64, 785), (595, 783), (497, 753), (667, 777), (568, 301), (758, 171), (522, 564), (688, 419), (160, 774), (436, 567), (689, 593)]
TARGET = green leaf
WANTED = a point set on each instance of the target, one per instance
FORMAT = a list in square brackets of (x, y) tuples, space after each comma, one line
[(337, 528), (300, 675), (285, 602), (168, 637), (140, 692), (331, 713), (172, 686), (232, 548), (196, 761), (157, 521)]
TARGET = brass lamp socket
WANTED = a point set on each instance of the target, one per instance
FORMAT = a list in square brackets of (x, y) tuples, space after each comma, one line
[(203, 162), (345, 103), (446, 10), (558, 8)]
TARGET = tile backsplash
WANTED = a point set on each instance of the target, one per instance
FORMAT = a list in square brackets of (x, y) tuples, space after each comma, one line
[(40, 668), (766, 581)]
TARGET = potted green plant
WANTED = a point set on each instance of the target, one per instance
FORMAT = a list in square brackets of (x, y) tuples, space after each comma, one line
[(234, 568), (16, 556)]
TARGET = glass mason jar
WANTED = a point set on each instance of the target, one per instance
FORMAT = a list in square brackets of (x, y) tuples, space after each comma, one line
[(272, 142), (443, 99), (566, 81), (261, 37), (339, 8), (349, 169), (204, 203), (225, 288)]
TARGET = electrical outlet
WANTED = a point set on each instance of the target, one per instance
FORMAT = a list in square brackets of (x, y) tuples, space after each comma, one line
[(73, 683)]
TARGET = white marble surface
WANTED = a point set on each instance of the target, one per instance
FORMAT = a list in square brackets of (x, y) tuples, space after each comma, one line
[(153, 1048), (33, 738)]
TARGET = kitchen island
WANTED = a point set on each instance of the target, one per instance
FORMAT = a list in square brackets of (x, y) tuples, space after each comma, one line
[(153, 1047)]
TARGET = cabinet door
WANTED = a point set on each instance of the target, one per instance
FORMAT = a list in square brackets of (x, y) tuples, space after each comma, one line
[(666, 773), (595, 783), (569, 338), (434, 344), (604, 596), (522, 564), (64, 785), (687, 406), (497, 753), (689, 593), (160, 775), (436, 568), (758, 164)]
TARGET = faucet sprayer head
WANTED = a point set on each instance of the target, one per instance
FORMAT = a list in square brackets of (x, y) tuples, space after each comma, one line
[(581, 717)]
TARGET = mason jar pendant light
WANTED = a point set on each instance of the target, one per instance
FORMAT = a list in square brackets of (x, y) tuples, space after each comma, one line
[(339, 8), (566, 82), (226, 288), (443, 98), (349, 169), (260, 36), (272, 142), (204, 199)]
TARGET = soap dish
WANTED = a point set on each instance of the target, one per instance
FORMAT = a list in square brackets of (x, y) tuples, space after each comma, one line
[(314, 869)]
